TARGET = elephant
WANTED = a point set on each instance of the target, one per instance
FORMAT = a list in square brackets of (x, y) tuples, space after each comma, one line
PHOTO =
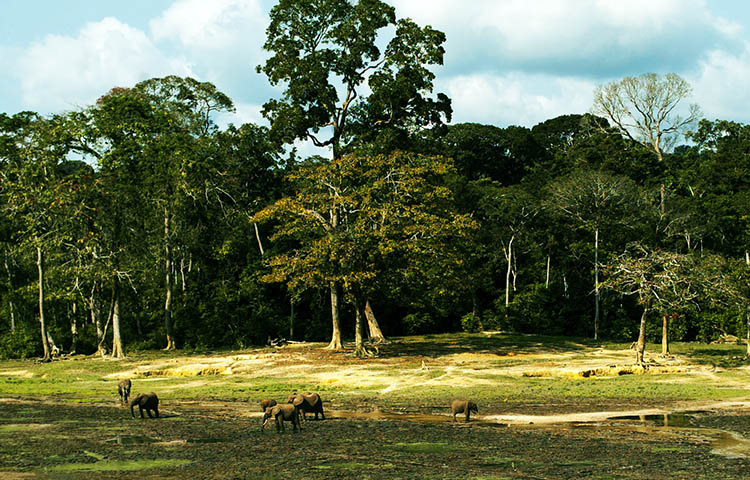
[(146, 401), (461, 406), (307, 403), (123, 388), (280, 413), (265, 403)]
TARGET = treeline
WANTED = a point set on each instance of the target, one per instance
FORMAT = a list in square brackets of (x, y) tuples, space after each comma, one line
[(139, 223)]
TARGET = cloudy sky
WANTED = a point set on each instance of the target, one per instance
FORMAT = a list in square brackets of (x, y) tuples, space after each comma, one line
[(508, 62)]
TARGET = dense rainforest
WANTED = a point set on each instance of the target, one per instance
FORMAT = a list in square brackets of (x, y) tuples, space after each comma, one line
[(141, 222)]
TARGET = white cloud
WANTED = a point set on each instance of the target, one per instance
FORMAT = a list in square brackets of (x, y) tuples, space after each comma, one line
[(720, 85), (516, 98), (214, 24), (600, 37), (63, 72)]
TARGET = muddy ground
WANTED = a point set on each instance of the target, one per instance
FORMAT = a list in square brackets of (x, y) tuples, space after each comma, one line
[(46, 439)]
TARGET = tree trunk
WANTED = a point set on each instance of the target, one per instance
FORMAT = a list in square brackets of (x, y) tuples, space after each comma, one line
[(596, 283), (45, 337), (546, 283), (168, 324), (359, 331), (747, 317), (257, 237), (95, 312), (336, 330), (73, 328), (291, 319), (11, 309), (375, 334), (117, 350), (509, 258), (665, 335), (641, 346)]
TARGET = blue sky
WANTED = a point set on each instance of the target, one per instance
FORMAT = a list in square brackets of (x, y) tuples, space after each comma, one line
[(507, 61)]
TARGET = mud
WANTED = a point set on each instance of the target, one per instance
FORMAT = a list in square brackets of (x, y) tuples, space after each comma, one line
[(225, 442)]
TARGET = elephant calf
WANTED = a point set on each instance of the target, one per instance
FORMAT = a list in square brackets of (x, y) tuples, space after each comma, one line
[(148, 402), (461, 406), (280, 413), (307, 403), (265, 403), (123, 388)]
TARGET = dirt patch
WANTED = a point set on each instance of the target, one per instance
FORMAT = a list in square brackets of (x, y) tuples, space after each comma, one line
[(216, 442)]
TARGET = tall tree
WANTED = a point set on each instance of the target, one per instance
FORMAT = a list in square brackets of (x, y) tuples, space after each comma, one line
[(339, 84), (178, 157), (394, 218), (661, 281), (595, 201), (38, 193), (644, 109)]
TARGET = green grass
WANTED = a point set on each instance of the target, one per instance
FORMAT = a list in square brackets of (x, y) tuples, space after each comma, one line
[(117, 465), (82, 379), (424, 447)]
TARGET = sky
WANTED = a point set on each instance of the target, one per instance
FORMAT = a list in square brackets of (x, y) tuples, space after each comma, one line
[(507, 62)]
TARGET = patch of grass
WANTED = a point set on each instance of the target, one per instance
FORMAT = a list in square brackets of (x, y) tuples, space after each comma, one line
[(670, 450), (352, 466), (424, 447), (117, 465)]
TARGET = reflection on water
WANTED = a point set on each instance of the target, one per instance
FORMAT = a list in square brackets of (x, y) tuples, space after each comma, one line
[(677, 420)]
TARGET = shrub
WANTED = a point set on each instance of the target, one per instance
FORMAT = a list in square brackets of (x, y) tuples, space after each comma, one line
[(471, 323), (19, 344)]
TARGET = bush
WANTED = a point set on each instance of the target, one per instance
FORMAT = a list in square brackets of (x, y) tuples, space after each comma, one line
[(471, 323), (19, 344), (418, 323)]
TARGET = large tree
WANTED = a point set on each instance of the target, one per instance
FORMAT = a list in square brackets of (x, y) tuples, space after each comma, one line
[(393, 216), (596, 201), (662, 281), (645, 109), (339, 87)]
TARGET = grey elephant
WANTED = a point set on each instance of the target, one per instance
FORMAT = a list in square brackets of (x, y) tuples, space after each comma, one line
[(463, 406), (123, 389), (307, 403), (265, 403), (280, 413), (148, 402)]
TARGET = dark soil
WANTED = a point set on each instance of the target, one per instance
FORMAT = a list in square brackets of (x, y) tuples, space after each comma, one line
[(227, 443)]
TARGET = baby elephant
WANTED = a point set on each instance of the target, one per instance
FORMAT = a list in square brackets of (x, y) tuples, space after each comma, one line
[(307, 403), (123, 388), (461, 406), (280, 413), (265, 403), (148, 402)]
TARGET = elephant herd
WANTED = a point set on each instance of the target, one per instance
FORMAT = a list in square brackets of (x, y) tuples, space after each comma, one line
[(296, 408), (144, 401)]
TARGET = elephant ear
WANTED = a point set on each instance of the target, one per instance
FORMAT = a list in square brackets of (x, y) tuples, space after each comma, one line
[(298, 400)]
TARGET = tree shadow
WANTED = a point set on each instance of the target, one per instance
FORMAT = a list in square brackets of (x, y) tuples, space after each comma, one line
[(494, 343)]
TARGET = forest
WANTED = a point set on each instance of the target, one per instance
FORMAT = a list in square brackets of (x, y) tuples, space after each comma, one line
[(141, 221)]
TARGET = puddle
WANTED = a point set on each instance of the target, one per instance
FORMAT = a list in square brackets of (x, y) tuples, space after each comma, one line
[(676, 420), (378, 414), (732, 445), (724, 443)]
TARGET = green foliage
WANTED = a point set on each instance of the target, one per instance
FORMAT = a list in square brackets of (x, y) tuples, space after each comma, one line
[(471, 323), (19, 344), (418, 323)]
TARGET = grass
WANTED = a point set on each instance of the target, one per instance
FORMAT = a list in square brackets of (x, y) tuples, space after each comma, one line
[(84, 379), (424, 447), (116, 465)]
